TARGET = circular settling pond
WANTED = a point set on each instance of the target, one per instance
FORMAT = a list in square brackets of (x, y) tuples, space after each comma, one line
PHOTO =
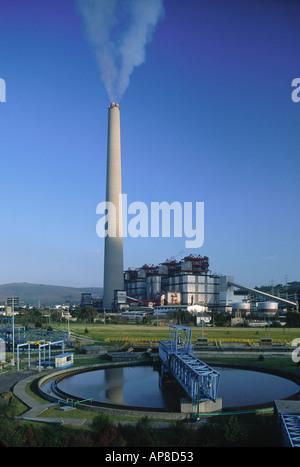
[(139, 386)]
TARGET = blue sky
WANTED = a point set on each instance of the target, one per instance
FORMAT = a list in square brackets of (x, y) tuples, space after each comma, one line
[(208, 117)]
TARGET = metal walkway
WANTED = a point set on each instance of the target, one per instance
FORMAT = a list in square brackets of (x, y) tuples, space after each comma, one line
[(22, 336), (291, 429), (200, 381)]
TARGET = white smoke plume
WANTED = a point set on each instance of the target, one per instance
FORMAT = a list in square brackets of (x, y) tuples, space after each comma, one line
[(119, 31)]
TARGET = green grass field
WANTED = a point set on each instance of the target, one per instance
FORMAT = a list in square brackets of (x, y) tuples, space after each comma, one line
[(99, 332)]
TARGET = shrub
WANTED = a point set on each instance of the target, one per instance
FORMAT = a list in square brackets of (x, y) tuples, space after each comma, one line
[(234, 433), (105, 433)]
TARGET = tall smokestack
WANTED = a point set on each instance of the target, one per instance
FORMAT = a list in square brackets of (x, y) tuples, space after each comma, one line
[(113, 255)]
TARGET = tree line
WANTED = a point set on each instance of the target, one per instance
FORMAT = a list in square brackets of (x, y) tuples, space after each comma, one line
[(227, 431)]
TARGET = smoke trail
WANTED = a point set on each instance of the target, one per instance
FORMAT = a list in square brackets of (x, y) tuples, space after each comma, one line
[(119, 31)]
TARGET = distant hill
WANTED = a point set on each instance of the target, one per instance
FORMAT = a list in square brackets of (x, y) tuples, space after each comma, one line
[(34, 294)]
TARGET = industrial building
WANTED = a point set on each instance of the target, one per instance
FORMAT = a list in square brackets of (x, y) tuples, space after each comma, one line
[(181, 284), (12, 305), (86, 299), (185, 282)]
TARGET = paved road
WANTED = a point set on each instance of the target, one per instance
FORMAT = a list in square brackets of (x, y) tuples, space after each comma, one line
[(17, 381), (9, 378)]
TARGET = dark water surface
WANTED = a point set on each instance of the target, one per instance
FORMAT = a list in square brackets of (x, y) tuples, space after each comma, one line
[(140, 387)]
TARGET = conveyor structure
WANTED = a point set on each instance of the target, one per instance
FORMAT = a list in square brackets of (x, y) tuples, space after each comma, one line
[(266, 296)]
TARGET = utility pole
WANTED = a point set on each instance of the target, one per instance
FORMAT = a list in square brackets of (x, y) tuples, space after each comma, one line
[(13, 330)]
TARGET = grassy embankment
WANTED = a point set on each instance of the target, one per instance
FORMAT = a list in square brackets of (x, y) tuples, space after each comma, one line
[(112, 333), (99, 332)]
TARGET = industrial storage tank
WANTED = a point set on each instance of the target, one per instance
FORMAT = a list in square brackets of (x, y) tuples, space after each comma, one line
[(244, 307), (268, 308)]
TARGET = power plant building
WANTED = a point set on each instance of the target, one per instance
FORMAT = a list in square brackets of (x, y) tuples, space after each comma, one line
[(184, 282)]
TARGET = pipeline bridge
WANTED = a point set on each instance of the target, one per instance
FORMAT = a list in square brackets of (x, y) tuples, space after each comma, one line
[(199, 381)]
